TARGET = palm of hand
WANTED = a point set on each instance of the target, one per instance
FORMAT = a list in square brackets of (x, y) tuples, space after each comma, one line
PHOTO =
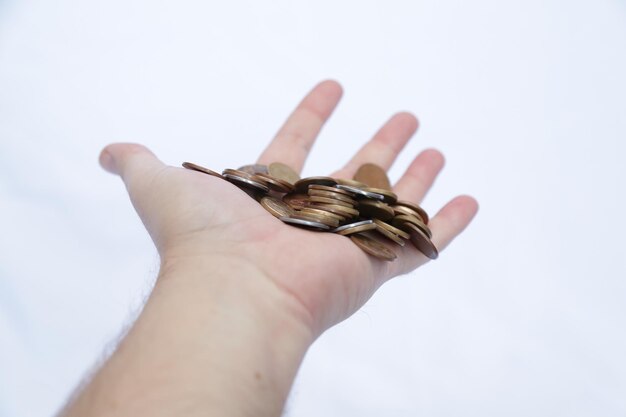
[(192, 214)]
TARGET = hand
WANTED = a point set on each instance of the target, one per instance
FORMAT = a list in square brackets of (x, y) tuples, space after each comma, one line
[(192, 216)]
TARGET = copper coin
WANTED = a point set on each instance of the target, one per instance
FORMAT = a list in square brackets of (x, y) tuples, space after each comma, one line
[(415, 207), (328, 221), (348, 229), (392, 229), (334, 208), (325, 200), (283, 172), (296, 200), (389, 196), (319, 212), (245, 182), (305, 223), (401, 221), (376, 209), (303, 184), (400, 210), (351, 183), (253, 169), (276, 184), (195, 167), (276, 207), (373, 247), (361, 192), (330, 194), (422, 242), (373, 176), (388, 234), (330, 189)]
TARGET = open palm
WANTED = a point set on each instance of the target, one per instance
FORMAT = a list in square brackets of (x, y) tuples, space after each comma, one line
[(193, 215)]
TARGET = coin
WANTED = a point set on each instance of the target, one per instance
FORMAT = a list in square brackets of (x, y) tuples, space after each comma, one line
[(195, 167), (392, 229), (296, 200), (283, 172), (421, 241), (401, 221), (253, 169), (305, 223), (276, 207), (303, 184), (351, 183), (246, 182), (389, 196), (334, 208), (387, 233), (329, 194), (357, 227), (416, 208), (373, 176), (316, 199), (276, 184), (373, 247), (320, 218), (318, 187), (319, 212), (361, 192), (377, 209)]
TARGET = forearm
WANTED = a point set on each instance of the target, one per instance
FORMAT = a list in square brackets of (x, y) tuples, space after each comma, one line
[(225, 342)]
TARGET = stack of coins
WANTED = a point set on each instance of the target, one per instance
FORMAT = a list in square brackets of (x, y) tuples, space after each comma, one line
[(363, 208)]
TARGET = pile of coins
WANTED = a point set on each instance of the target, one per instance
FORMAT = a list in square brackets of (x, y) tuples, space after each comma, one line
[(363, 208)]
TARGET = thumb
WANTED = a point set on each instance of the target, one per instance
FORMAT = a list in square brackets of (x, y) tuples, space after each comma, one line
[(131, 161)]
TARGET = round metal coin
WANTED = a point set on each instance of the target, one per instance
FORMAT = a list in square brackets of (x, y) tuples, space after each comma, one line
[(421, 241), (245, 182), (372, 175), (361, 192), (376, 209), (305, 223), (373, 247), (416, 208), (283, 172), (195, 167), (303, 184), (401, 221), (276, 207), (357, 227), (253, 169), (276, 184)]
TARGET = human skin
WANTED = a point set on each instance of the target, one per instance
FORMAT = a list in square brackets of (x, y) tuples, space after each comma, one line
[(241, 296)]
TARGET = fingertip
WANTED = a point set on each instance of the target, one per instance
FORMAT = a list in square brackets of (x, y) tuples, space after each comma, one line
[(114, 157), (435, 156), (331, 86), (107, 162), (408, 118)]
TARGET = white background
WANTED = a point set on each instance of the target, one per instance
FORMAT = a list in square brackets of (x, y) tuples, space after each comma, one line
[(523, 315)]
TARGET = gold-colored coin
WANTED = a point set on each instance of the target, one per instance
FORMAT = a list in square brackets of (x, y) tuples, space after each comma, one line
[(351, 183), (422, 242), (296, 200), (329, 194), (245, 181), (302, 186), (401, 223), (276, 184), (196, 167), (392, 229), (319, 212), (330, 189), (387, 233), (373, 247), (358, 227), (373, 176), (390, 196), (334, 208), (276, 207), (402, 210), (283, 172), (376, 209), (325, 200), (416, 208)]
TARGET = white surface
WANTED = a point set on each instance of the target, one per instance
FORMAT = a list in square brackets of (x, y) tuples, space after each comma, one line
[(523, 315)]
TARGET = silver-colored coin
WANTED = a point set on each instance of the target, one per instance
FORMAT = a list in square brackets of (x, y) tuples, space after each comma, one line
[(246, 182), (359, 191), (352, 225), (305, 223)]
